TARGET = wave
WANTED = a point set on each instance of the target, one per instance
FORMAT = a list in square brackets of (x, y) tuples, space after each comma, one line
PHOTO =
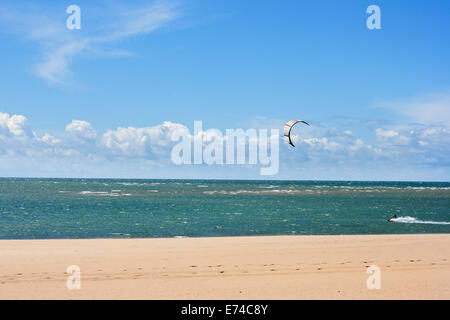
[(113, 193), (94, 192), (252, 192), (414, 220)]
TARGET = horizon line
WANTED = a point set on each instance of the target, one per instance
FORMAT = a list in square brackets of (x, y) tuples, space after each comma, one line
[(225, 179)]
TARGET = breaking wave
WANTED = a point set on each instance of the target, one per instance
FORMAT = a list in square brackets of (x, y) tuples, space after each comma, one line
[(414, 220)]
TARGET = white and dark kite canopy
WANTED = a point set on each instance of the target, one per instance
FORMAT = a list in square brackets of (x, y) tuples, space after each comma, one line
[(288, 127)]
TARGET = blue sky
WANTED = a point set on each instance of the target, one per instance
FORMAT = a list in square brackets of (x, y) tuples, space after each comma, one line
[(378, 100)]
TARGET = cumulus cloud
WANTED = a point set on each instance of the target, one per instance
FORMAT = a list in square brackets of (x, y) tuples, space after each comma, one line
[(81, 130), (49, 139), (141, 142), (406, 146), (412, 146), (17, 138), (16, 125), (393, 137)]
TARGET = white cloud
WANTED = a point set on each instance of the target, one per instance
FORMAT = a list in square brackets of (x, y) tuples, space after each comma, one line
[(358, 145), (81, 129), (16, 125), (49, 139), (141, 142), (406, 147), (54, 68), (323, 143), (138, 21), (60, 46), (386, 133), (432, 109), (393, 137)]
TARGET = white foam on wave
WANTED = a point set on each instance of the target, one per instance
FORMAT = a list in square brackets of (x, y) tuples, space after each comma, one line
[(408, 219), (253, 192), (93, 192), (114, 193), (132, 183), (268, 190)]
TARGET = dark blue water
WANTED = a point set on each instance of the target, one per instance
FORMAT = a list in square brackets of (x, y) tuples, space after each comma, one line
[(78, 208)]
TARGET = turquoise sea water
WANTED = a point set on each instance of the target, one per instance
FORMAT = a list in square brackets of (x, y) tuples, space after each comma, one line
[(108, 208)]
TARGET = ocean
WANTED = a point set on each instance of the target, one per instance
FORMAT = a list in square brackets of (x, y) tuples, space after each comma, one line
[(113, 208)]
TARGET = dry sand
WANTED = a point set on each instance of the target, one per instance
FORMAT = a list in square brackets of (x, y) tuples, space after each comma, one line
[(285, 267)]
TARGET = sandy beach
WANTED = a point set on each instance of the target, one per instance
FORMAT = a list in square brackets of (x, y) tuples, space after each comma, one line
[(282, 267)]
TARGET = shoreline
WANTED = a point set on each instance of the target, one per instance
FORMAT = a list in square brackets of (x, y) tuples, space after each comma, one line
[(233, 237), (413, 266)]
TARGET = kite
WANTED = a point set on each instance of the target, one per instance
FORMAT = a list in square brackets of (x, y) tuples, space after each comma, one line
[(288, 127)]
